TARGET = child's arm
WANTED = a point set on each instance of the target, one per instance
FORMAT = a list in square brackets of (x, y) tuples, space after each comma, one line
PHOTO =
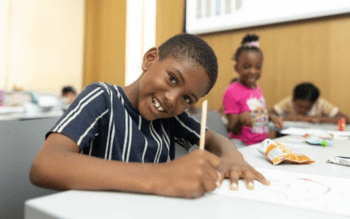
[(292, 117), (233, 165), (335, 119), (325, 119), (315, 119), (276, 119), (236, 122), (59, 165)]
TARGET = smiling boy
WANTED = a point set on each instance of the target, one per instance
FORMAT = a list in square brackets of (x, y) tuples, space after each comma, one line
[(123, 138)]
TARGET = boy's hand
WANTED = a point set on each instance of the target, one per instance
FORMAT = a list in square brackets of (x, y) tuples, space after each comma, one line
[(238, 168), (190, 176), (233, 165), (312, 119), (246, 119), (295, 118), (277, 121)]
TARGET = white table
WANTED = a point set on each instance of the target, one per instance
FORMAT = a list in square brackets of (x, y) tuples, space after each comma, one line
[(308, 125), (317, 153), (84, 204), (29, 116)]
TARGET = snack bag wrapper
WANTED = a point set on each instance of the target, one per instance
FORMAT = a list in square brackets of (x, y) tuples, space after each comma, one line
[(277, 153), (340, 160)]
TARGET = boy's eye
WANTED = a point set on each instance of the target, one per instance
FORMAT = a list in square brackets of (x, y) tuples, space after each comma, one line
[(172, 79), (187, 99), (258, 67)]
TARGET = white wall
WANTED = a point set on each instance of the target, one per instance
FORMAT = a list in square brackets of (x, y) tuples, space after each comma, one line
[(44, 49), (140, 35), (4, 9)]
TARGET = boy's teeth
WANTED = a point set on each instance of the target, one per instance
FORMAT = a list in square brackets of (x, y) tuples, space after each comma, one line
[(157, 105)]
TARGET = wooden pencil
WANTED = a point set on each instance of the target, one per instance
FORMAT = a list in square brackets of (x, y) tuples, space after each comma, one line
[(203, 124)]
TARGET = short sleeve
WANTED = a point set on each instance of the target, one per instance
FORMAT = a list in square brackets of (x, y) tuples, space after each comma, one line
[(284, 107), (328, 109), (186, 130), (230, 103), (83, 117)]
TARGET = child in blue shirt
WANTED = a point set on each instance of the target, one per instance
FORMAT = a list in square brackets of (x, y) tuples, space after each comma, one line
[(123, 138)]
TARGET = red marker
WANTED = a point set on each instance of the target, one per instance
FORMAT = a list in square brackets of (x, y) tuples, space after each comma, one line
[(341, 124)]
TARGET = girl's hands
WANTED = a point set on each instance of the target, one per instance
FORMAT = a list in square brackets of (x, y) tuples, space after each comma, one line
[(246, 119), (190, 176)]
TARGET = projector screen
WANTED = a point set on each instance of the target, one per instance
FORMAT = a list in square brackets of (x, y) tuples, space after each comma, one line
[(206, 16)]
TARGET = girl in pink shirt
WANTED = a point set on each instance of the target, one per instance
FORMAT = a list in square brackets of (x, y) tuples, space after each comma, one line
[(243, 100)]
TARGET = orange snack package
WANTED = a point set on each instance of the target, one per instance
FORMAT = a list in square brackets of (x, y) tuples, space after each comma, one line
[(277, 153)]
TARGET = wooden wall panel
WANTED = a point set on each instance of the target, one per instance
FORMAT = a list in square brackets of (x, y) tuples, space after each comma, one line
[(169, 19), (104, 58), (315, 50), (339, 76), (312, 50)]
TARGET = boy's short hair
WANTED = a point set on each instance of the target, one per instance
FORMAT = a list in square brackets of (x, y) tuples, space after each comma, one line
[(188, 46), (306, 91), (68, 89)]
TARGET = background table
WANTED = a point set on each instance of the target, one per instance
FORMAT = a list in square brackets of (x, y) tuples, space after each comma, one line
[(307, 125)]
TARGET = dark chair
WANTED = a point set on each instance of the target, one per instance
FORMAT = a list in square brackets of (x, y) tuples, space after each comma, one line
[(214, 123)]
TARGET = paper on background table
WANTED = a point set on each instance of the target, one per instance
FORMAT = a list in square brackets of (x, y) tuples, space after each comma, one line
[(307, 191), (299, 124), (345, 135)]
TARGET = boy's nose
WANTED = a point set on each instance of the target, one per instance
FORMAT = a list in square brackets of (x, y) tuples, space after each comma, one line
[(171, 97)]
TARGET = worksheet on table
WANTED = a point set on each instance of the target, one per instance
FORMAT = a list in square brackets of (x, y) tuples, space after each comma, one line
[(307, 191), (341, 135)]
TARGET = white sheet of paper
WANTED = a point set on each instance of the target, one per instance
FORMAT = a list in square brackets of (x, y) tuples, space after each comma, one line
[(311, 192), (341, 135)]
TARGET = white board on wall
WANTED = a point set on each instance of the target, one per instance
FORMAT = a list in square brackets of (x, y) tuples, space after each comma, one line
[(206, 16)]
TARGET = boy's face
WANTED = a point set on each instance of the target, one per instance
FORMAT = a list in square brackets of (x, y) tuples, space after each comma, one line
[(249, 67), (302, 107), (169, 86), (70, 96)]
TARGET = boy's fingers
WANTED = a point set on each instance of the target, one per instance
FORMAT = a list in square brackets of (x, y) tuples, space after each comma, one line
[(214, 160), (209, 184), (234, 177), (249, 179), (214, 174), (258, 176), (221, 172), (249, 183)]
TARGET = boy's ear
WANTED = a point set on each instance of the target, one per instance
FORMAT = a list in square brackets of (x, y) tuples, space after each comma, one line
[(150, 56)]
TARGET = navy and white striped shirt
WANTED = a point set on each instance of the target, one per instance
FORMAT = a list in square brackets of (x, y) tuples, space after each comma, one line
[(104, 124)]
